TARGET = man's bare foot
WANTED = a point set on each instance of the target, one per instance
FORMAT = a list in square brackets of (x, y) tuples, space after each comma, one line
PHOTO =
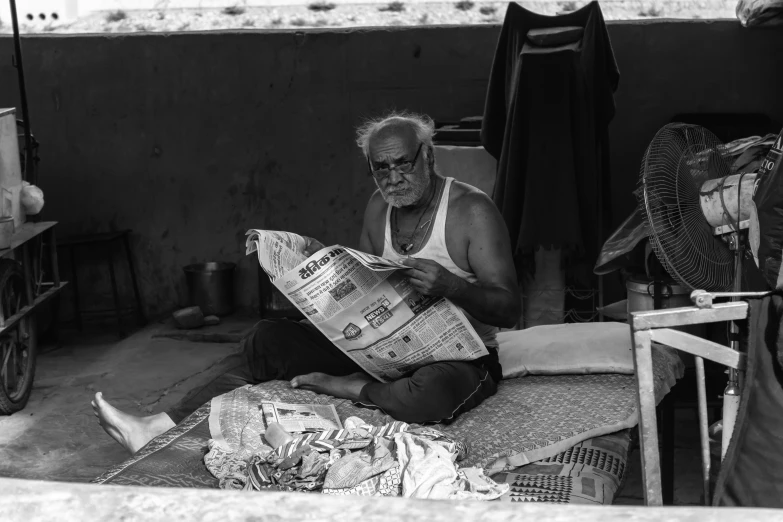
[(348, 387), (132, 432)]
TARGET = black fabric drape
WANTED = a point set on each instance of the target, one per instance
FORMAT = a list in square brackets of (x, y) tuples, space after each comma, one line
[(546, 122), (751, 475)]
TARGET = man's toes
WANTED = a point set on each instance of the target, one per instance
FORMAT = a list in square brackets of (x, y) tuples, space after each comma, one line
[(304, 379), (309, 381)]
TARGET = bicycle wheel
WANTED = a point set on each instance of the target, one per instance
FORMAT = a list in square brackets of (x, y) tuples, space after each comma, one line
[(18, 345)]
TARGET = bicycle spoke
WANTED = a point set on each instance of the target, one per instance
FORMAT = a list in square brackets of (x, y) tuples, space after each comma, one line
[(6, 303), (13, 379), (4, 367), (20, 361)]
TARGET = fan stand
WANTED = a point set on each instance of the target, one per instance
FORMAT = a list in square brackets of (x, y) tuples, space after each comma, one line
[(731, 395)]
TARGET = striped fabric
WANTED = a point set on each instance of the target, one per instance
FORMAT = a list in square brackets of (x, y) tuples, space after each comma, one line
[(347, 439), (360, 438)]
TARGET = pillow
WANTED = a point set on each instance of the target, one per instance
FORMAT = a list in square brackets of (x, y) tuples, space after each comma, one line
[(578, 348)]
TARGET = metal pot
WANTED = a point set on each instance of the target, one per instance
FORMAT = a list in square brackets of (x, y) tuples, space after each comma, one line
[(211, 287), (640, 299), (640, 295)]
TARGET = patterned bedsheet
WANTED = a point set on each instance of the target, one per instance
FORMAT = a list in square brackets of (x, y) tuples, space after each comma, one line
[(592, 472), (552, 438)]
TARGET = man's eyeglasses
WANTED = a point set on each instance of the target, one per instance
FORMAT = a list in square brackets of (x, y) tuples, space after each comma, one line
[(406, 167)]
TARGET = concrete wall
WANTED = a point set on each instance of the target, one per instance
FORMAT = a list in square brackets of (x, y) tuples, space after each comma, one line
[(191, 139)]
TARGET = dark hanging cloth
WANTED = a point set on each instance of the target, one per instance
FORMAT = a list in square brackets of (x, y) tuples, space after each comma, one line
[(546, 122), (751, 475)]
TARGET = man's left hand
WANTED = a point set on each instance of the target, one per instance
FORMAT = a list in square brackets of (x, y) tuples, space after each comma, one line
[(430, 278)]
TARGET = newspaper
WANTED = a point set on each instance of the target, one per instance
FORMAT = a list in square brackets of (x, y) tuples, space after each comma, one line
[(366, 306), (299, 418)]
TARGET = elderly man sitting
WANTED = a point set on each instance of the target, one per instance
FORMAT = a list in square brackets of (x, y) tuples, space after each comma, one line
[(456, 244)]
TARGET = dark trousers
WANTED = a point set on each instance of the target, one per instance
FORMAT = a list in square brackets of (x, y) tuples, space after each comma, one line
[(281, 349)]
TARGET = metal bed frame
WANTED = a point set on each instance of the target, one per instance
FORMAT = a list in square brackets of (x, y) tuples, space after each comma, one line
[(647, 327)]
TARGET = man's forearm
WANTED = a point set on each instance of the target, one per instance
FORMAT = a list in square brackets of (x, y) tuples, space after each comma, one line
[(491, 305)]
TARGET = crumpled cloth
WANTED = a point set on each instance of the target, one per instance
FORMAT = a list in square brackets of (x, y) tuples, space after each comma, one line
[(355, 435), (390, 460), (305, 474), (387, 484), (254, 466), (225, 465), (472, 484), (427, 467), (428, 471), (229, 462), (361, 465)]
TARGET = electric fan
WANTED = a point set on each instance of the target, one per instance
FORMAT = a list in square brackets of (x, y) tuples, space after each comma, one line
[(697, 209)]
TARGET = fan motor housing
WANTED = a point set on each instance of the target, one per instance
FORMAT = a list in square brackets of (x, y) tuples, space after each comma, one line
[(724, 201)]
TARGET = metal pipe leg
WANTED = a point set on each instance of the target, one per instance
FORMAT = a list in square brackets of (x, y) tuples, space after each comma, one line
[(648, 429), (141, 318), (666, 423), (115, 293), (53, 258), (28, 259), (75, 289), (701, 385)]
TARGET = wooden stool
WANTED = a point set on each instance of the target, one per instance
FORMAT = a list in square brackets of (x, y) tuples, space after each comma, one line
[(106, 240)]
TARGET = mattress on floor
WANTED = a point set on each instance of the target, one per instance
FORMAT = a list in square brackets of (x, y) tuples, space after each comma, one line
[(561, 439), (590, 472)]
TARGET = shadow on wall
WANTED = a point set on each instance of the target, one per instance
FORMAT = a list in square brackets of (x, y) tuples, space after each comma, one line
[(191, 139)]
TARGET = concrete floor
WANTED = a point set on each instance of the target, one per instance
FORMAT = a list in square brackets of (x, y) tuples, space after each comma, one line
[(57, 437)]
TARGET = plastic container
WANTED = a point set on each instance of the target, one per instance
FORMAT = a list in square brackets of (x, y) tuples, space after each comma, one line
[(211, 287)]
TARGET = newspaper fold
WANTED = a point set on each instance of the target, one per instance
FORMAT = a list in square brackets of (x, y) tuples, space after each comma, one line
[(299, 418), (366, 306)]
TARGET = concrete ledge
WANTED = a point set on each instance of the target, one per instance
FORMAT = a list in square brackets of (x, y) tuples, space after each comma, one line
[(31, 501)]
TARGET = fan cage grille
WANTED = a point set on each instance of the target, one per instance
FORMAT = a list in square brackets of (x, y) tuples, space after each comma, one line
[(677, 162)]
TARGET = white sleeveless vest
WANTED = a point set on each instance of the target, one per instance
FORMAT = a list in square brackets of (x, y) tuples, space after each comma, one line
[(435, 250)]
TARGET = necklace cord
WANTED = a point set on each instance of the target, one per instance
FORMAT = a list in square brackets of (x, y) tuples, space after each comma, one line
[(409, 245)]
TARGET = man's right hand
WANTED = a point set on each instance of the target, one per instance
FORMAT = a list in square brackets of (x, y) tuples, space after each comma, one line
[(311, 246)]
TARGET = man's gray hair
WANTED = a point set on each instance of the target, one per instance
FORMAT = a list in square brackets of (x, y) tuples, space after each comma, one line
[(421, 123)]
